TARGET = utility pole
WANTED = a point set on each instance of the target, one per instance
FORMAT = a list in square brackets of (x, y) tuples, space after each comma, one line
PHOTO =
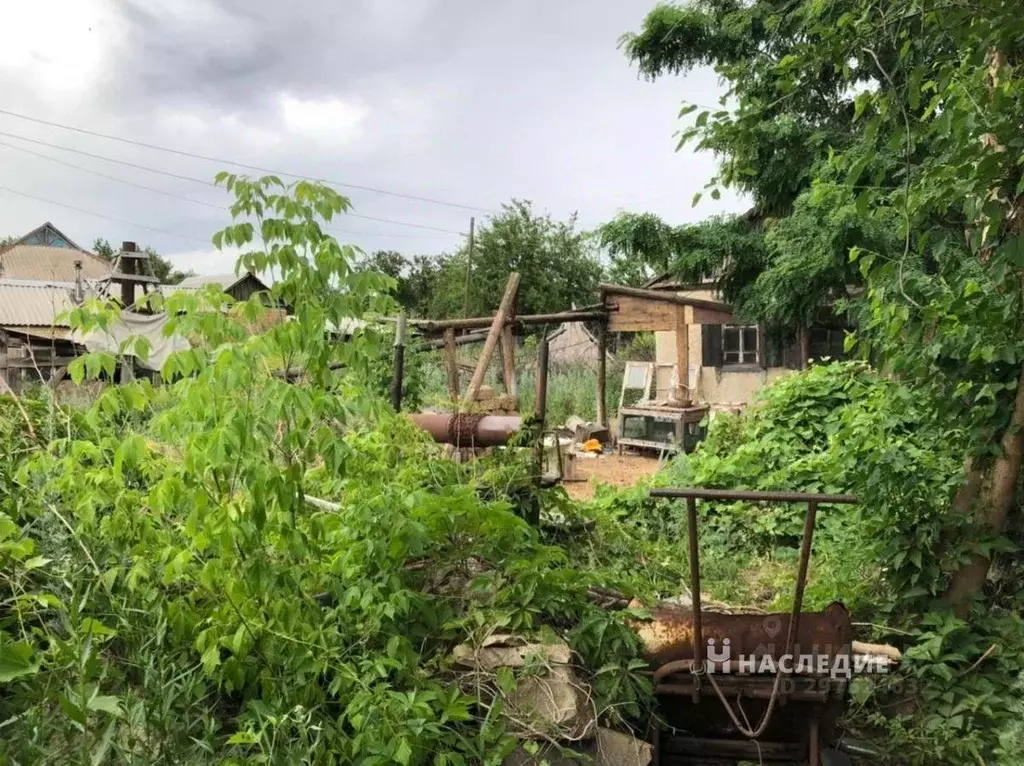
[(469, 263)]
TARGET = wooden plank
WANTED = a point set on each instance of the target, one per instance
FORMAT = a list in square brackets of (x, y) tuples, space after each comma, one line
[(682, 392), (658, 296), (508, 358), (522, 320), (507, 300), (451, 364), (708, 316), (647, 444), (29, 363), (632, 314)]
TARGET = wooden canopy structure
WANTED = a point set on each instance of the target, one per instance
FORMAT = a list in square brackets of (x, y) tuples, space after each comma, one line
[(622, 309)]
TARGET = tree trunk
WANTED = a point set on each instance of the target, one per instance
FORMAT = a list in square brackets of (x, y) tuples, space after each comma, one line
[(993, 492)]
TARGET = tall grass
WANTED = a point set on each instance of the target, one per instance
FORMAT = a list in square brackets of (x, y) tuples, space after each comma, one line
[(572, 389)]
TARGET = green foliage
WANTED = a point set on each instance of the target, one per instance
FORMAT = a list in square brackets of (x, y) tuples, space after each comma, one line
[(728, 251), (416, 279), (168, 594), (883, 131), (641, 246), (555, 261), (840, 428)]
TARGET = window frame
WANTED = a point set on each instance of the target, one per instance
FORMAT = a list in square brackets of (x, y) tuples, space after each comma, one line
[(742, 350)]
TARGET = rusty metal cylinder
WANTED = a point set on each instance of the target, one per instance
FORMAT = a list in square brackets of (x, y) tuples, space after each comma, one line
[(669, 635), (464, 429)]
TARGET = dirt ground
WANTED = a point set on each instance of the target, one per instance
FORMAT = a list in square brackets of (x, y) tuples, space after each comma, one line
[(610, 469)]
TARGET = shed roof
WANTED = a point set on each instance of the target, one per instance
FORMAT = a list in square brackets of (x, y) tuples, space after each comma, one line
[(224, 281), (27, 303)]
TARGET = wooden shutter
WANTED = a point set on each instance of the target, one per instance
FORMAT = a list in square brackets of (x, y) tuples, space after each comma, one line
[(711, 345), (771, 345)]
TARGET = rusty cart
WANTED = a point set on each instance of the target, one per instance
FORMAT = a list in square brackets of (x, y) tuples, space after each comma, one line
[(749, 687)]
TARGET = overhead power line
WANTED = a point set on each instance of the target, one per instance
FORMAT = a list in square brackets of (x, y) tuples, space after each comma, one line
[(180, 177), (159, 230), (243, 165), (102, 215), (113, 178)]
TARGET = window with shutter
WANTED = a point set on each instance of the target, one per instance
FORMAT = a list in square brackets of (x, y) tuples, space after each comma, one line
[(827, 342), (711, 345)]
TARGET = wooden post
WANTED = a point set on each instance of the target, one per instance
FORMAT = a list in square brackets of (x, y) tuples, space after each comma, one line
[(508, 356), (3, 362), (127, 266), (682, 392), (469, 263), (541, 398), (451, 364), (398, 374), (492, 337), (602, 374)]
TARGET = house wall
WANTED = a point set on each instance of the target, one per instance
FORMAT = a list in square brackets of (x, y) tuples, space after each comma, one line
[(721, 388)]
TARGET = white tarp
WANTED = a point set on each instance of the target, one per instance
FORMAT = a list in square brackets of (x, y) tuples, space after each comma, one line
[(130, 325)]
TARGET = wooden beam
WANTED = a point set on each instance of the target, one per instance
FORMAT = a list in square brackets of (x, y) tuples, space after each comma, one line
[(511, 288), (508, 358), (712, 316), (663, 297), (47, 363), (602, 374), (523, 320), (682, 392), (451, 364), (460, 340)]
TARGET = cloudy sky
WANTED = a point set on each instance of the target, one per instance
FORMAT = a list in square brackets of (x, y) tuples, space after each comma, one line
[(465, 102)]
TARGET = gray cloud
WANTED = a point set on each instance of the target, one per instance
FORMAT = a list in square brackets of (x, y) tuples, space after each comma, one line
[(456, 100)]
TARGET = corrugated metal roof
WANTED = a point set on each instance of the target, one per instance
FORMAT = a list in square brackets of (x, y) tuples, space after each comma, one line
[(221, 280), (34, 304), (50, 263), (43, 333)]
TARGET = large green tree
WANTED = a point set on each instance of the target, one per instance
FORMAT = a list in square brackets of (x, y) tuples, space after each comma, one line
[(416, 278), (886, 133), (556, 261)]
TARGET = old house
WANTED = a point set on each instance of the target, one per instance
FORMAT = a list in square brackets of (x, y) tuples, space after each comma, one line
[(35, 339), (726, 361), (45, 254), (42, 275)]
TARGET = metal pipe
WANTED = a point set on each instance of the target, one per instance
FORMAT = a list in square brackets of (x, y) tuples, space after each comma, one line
[(813, 757), (465, 429), (801, 576), (755, 496), (698, 628)]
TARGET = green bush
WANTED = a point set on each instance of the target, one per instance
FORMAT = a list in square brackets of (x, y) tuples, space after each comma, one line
[(169, 595), (843, 428)]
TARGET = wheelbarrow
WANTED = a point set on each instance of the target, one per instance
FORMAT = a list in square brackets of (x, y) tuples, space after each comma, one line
[(766, 688)]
